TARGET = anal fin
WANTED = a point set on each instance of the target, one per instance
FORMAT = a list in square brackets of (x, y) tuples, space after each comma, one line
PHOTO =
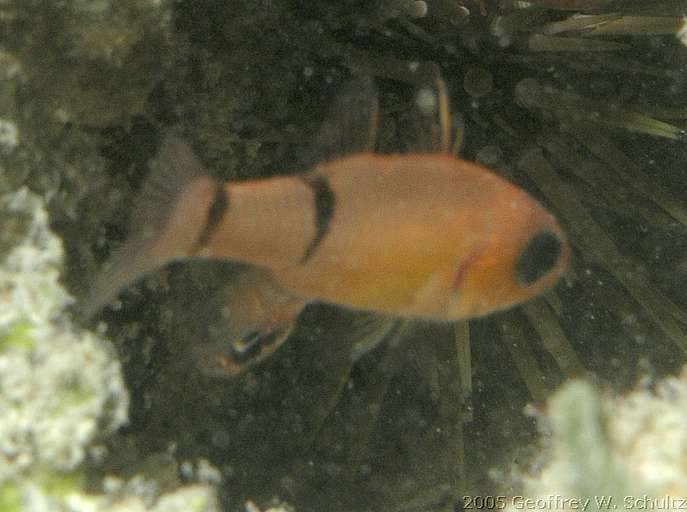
[(260, 317), (369, 330)]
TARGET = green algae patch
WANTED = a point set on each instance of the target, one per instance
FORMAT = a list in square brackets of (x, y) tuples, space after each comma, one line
[(72, 395), (18, 336), (58, 484), (12, 229), (10, 498), (193, 498)]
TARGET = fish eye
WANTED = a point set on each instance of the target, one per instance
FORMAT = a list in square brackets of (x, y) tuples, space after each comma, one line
[(538, 258)]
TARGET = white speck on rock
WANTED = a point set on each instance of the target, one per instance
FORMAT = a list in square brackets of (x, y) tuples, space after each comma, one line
[(9, 134)]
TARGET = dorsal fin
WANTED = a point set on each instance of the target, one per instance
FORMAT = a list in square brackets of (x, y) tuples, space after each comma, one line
[(172, 170), (350, 125)]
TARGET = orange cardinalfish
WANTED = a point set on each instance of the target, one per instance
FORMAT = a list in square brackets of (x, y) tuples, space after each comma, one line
[(422, 235)]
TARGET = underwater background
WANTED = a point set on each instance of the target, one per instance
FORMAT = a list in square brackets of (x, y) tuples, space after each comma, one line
[(579, 102)]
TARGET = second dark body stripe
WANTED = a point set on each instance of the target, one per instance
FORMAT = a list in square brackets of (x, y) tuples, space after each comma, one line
[(217, 209), (324, 204)]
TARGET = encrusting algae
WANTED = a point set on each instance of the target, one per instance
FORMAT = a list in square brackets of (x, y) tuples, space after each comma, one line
[(61, 388), (606, 452)]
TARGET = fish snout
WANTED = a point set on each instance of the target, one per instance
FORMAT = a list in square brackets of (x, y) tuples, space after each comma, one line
[(539, 258), (535, 264), (519, 264)]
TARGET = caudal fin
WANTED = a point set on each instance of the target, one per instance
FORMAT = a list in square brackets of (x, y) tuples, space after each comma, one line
[(150, 243)]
